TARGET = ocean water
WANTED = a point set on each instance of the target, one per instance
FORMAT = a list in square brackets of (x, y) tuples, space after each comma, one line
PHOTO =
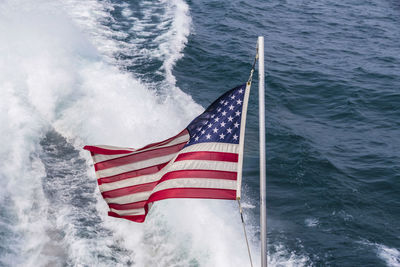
[(134, 72)]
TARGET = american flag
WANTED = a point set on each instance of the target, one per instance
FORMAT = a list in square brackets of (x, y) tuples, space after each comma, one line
[(202, 161)]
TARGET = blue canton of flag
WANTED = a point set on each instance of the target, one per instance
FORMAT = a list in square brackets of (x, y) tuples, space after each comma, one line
[(221, 120)]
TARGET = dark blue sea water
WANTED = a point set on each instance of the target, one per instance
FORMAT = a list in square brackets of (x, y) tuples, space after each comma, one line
[(133, 72), (333, 137)]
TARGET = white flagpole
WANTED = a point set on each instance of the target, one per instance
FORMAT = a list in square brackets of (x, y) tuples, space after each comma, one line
[(261, 103)]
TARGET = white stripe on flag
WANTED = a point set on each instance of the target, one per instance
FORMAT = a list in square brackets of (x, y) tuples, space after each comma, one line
[(144, 179), (203, 165), (129, 198), (212, 147), (134, 166), (129, 212), (196, 183)]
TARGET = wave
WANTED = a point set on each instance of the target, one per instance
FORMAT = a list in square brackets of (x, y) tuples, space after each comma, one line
[(391, 256)]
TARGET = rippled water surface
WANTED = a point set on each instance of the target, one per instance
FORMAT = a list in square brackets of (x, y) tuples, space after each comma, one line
[(134, 72)]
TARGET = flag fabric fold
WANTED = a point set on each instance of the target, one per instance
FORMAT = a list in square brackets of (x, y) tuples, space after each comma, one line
[(202, 161)]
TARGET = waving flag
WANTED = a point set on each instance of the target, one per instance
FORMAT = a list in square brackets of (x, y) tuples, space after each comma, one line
[(202, 161)]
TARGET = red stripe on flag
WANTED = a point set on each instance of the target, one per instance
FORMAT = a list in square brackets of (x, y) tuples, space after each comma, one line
[(131, 174), (128, 206), (184, 132), (134, 218), (145, 155), (210, 174), (129, 190), (205, 155), (193, 193), (104, 151)]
